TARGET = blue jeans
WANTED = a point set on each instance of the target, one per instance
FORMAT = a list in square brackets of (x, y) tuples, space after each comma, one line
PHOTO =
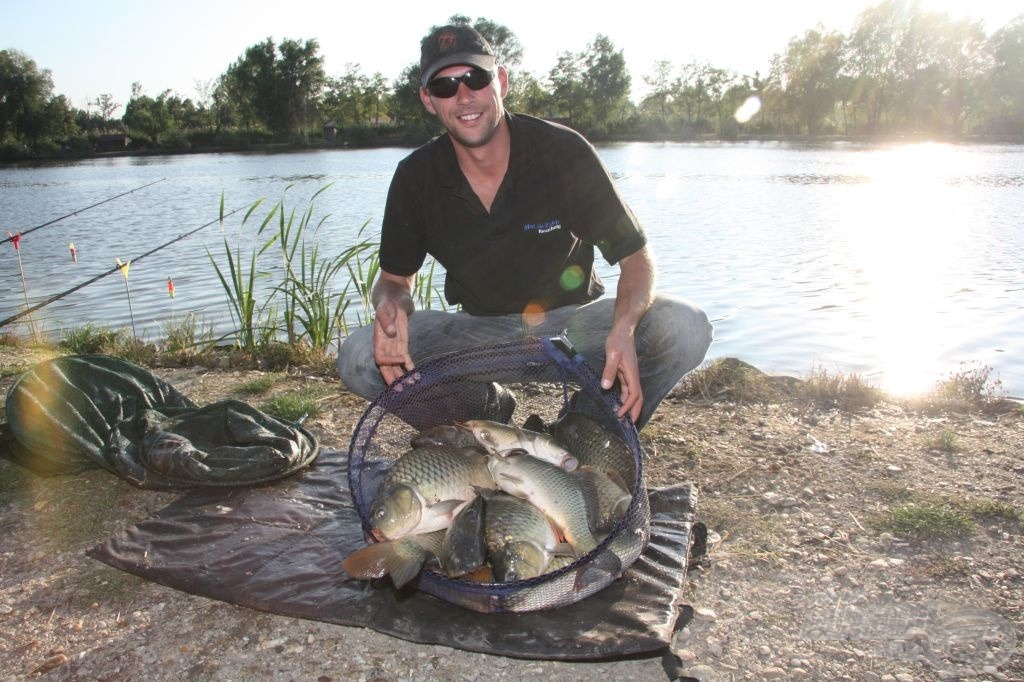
[(671, 340)]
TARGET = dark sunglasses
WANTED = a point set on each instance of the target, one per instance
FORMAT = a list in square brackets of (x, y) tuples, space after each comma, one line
[(446, 86)]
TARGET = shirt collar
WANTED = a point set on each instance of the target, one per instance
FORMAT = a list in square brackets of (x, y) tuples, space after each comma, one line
[(446, 167)]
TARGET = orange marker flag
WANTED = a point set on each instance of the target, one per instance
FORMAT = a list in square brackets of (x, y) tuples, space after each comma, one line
[(74, 252), (170, 287)]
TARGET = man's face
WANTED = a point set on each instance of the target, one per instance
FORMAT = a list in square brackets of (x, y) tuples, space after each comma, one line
[(470, 116)]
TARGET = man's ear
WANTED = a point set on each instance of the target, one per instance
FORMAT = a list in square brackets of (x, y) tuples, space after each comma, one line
[(425, 98), (503, 81)]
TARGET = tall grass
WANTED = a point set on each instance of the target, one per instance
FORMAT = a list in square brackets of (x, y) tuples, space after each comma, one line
[(311, 303), (312, 311), (254, 323)]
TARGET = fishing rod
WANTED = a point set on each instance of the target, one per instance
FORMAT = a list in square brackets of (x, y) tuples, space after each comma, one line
[(116, 268), (81, 210)]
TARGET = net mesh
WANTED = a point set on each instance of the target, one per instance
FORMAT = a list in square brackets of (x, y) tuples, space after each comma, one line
[(505, 382)]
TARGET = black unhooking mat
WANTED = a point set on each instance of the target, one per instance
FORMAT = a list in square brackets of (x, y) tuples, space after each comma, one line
[(279, 549), (80, 411)]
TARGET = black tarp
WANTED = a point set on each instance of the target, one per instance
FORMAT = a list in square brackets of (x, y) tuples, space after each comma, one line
[(279, 549)]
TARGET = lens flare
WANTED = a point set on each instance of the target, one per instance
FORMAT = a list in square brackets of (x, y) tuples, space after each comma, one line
[(572, 278), (533, 314), (748, 109)]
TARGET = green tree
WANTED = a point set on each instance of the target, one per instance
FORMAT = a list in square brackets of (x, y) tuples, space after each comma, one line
[(530, 97), (812, 65), (151, 117), (606, 83), (24, 93), (276, 87), (871, 59), (407, 110), (568, 96), (1004, 87), (60, 118), (656, 104)]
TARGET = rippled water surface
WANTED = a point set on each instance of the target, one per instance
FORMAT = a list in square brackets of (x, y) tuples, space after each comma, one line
[(899, 262)]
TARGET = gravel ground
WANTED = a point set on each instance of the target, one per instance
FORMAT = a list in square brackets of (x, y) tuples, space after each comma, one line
[(874, 544)]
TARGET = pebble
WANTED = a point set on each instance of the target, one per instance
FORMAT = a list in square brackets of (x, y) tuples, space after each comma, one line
[(705, 614), (700, 672), (773, 673), (5, 609)]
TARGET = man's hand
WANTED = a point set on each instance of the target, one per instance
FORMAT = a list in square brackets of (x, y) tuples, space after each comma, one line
[(621, 363), (392, 300), (632, 300), (391, 341)]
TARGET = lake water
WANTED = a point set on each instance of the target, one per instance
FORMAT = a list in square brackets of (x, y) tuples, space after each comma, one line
[(898, 262)]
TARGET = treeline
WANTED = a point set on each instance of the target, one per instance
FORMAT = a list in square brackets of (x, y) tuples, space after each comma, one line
[(901, 70)]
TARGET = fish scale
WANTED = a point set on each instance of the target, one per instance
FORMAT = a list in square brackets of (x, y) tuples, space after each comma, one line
[(556, 492), (441, 473)]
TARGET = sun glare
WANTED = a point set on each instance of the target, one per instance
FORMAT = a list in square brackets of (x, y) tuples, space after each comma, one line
[(903, 233)]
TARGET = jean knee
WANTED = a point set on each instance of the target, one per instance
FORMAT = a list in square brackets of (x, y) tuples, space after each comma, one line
[(678, 331)]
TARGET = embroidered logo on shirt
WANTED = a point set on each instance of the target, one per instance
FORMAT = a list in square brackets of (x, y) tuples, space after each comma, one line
[(543, 228)]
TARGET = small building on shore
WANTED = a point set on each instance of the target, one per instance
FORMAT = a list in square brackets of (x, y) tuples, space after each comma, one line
[(113, 142)]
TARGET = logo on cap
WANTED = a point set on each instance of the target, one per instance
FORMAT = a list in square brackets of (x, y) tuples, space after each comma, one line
[(446, 41)]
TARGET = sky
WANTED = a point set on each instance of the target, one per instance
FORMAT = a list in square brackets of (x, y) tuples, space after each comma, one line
[(103, 46)]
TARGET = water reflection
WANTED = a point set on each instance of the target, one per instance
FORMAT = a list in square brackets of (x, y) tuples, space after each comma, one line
[(896, 262), (810, 179), (907, 234)]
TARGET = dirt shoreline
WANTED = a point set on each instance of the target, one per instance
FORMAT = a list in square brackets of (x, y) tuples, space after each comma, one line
[(812, 576)]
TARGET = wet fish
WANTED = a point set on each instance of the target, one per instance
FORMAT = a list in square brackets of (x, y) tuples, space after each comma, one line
[(444, 435), (497, 438), (425, 488), (555, 492), (520, 539), (595, 447), (402, 559), (607, 500), (464, 549)]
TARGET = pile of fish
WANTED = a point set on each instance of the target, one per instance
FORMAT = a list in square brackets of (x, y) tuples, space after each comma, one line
[(488, 502)]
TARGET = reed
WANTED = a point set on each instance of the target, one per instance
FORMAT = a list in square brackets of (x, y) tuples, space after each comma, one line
[(254, 323), (313, 313)]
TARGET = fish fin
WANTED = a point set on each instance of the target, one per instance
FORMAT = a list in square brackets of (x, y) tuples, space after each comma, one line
[(446, 507), (402, 572), (617, 479), (563, 549), (368, 562), (376, 561), (484, 574), (621, 507), (511, 478), (535, 423), (486, 493)]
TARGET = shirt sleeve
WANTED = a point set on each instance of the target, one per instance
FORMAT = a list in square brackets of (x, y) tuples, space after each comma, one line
[(602, 216), (402, 242)]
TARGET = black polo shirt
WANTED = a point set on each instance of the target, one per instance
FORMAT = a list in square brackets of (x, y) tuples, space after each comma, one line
[(535, 249)]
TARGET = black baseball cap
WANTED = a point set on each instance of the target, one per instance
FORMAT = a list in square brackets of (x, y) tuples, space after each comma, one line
[(450, 45)]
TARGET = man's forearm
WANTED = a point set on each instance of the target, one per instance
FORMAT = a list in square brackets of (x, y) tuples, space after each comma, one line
[(635, 292)]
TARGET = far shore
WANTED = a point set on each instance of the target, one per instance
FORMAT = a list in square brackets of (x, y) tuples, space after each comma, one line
[(288, 147)]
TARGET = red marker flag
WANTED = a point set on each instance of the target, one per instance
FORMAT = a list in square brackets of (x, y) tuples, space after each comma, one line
[(74, 252), (170, 287), (15, 239)]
